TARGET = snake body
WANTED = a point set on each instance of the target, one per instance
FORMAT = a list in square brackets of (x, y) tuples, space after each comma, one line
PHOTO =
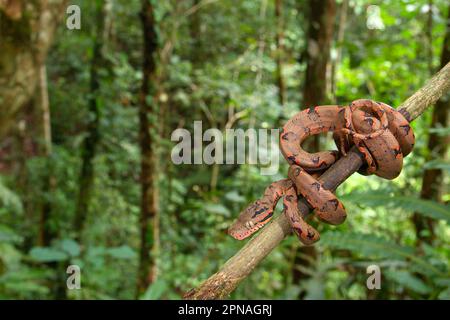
[(381, 134), (261, 212)]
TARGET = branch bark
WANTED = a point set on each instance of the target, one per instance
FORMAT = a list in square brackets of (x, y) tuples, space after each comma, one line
[(238, 267)]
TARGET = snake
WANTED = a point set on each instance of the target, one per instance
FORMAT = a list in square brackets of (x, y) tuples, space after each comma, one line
[(381, 134)]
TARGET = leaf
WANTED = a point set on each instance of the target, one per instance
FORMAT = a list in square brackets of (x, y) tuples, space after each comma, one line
[(25, 280), (47, 254), (407, 280), (155, 290), (366, 245), (370, 245), (444, 282), (234, 196), (217, 209), (9, 199), (437, 164), (70, 246), (122, 252), (178, 186), (441, 131), (27, 287), (444, 295), (8, 235), (427, 208)]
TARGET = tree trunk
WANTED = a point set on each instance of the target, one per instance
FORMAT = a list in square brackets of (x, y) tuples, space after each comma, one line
[(47, 230), (320, 35), (149, 191), (437, 148), (195, 29), (86, 179), (429, 35), (280, 52), (26, 32), (343, 11)]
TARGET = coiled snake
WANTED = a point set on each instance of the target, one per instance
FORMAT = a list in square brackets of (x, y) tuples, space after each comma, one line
[(380, 133)]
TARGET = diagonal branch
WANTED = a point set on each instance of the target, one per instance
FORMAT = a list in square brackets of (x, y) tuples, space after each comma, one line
[(238, 267)]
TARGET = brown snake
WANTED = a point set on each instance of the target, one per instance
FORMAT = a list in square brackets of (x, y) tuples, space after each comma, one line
[(381, 134)]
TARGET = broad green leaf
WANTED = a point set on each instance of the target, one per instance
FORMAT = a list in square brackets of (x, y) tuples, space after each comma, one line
[(234, 196), (70, 246), (444, 295), (366, 245), (9, 199), (373, 246), (441, 131), (427, 208), (214, 208), (407, 280), (47, 254), (438, 164), (122, 252), (155, 290), (8, 235)]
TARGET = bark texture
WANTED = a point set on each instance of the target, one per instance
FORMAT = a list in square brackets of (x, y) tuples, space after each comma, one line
[(343, 11), (149, 191), (320, 36), (238, 267), (27, 30), (46, 232), (280, 52), (195, 29)]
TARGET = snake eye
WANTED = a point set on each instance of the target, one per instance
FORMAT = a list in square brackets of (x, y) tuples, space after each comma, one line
[(249, 224)]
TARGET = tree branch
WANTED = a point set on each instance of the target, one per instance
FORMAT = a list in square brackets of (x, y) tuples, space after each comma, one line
[(238, 267)]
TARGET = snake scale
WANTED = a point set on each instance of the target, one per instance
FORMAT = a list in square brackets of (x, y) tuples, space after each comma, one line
[(382, 135)]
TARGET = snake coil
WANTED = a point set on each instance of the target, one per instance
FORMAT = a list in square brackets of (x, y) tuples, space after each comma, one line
[(382, 135)]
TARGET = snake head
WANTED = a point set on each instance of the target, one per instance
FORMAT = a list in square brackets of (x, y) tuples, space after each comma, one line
[(253, 218)]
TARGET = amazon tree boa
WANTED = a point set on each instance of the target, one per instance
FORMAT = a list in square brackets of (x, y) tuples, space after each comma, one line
[(381, 134)]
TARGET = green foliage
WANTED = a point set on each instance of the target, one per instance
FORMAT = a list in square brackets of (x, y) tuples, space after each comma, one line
[(155, 290), (122, 252), (9, 200), (427, 208), (367, 245), (437, 164), (8, 235), (408, 274), (47, 254), (409, 281)]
